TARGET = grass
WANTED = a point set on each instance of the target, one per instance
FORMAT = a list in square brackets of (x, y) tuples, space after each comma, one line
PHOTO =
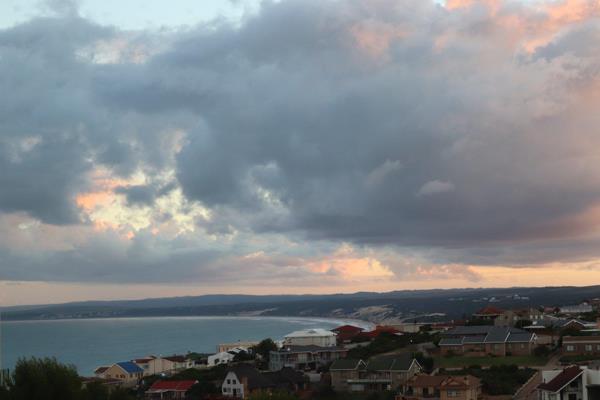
[(459, 362)]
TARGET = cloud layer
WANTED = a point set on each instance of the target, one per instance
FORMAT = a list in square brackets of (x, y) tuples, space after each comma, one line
[(314, 141)]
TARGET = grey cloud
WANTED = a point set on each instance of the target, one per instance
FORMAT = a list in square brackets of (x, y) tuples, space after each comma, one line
[(319, 120)]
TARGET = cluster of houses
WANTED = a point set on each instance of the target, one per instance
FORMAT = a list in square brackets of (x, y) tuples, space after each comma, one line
[(130, 372), (307, 357)]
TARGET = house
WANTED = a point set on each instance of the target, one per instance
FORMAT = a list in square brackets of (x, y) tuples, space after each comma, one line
[(308, 337), (379, 374), (581, 345), (288, 380), (346, 333), (489, 313), (176, 390), (465, 387), (484, 340), (304, 357), (224, 357), (422, 387), (126, 371), (244, 380), (443, 387), (99, 372), (571, 383), (223, 347), (153, 365), (576, 309), (344, 370)]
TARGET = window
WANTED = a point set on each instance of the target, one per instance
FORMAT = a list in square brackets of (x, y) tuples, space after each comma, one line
[(229, 381), (598, 347), (522, 345), (570, 348), (452, 393), (588, 347)]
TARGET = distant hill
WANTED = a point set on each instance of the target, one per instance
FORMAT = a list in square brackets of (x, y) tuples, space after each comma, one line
[(404, 304)]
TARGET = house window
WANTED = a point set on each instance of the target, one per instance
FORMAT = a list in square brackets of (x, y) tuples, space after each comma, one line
[(588, 347), (570, 348), (598, 347), (522, 345), (452, 393), (229, 381)]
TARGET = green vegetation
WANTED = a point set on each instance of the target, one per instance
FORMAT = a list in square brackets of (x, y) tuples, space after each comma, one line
[(46, 378), (388, 342), (459, 362), (273, 396), (499, 379), (579, 358), (263, 349), (326, 393), (209, 380)]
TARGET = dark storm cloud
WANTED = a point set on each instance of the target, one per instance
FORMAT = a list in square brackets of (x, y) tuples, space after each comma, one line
[(293, 89), (378, 123)]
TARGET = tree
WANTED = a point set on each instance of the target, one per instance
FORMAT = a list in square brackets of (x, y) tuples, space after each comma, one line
[(44, 378), (273, 396), (264, 348), (95, 391)]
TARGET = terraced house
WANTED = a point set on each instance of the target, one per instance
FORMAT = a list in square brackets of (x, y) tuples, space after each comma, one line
[(484, 340), (382, 373)]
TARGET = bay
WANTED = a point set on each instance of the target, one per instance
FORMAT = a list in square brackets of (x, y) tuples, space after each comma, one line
[(88, 343)]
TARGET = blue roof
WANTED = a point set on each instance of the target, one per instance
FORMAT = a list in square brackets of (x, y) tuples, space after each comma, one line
[(130, 367)]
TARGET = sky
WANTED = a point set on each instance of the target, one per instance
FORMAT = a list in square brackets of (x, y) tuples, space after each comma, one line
[(152, 148)]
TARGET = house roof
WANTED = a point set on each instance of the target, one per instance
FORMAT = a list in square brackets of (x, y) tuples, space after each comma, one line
[(346, 364), (100, 370), (286, 376), (450, 341), (309, 349), (347, 329), (255, 380), (484, 334), (460, 382), (172, 386), (130, 367), (317, 332), (581, 339), (490, 310), (143, 360), (176, 358), (427, 380), (400, 362), (561, 380)]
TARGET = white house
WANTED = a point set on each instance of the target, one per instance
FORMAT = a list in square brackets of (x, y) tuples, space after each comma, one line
[(224, 357), (316, 337), (571, 383), (153, 365)]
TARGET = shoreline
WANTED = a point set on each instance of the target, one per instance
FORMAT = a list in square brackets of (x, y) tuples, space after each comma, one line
[(343, 321)]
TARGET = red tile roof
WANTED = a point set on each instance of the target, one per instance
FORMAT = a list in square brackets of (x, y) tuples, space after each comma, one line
[(490, 310), (172, 386), (347, 329), (466, 381), (562, 379)]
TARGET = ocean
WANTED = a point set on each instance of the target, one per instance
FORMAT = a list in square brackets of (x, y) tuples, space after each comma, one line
[(88, 343)]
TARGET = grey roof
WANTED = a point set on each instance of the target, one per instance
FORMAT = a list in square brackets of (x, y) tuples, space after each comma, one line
[(497, 335), (520, 337), (450, 341), (473, 339), (346, 364), (256, 380), (309, 349), (484, 334), (400, 362)]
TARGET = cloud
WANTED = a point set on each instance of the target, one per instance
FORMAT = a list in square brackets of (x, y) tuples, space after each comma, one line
[(435, 187), (307, 123)]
